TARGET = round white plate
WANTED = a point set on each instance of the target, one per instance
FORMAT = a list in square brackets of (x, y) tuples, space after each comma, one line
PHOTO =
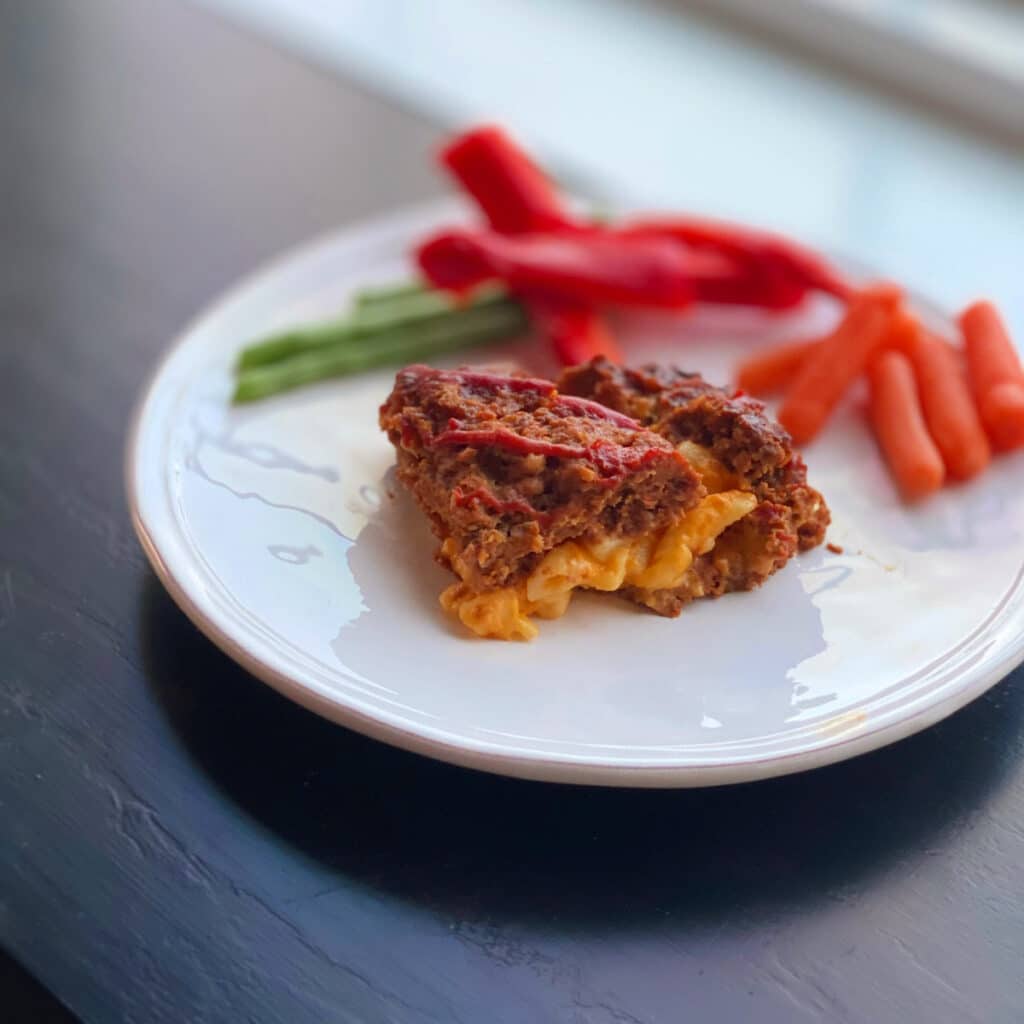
[(280, 530)]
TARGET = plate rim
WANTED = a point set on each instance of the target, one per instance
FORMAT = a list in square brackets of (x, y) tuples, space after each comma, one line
[(580, 769)]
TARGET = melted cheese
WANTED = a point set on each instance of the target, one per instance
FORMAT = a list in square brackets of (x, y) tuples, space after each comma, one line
[(713, 475), (654, 561)]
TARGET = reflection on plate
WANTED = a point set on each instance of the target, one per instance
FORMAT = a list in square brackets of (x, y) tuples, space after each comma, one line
[(279, 529)]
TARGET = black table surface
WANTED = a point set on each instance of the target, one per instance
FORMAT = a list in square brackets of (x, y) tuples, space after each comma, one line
[(178, 843)]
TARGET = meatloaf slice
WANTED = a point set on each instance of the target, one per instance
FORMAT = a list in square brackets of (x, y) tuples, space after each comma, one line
[(506, 468), (731, 441)]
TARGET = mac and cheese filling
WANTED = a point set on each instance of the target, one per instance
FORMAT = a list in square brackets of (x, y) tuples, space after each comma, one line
[(652, 561)]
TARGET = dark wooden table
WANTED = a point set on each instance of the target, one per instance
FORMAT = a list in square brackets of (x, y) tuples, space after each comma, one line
[(179, 844)]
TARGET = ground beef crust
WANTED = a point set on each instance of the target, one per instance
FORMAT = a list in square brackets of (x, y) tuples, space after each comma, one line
[(507, 467), (683, 406), (790, 516)]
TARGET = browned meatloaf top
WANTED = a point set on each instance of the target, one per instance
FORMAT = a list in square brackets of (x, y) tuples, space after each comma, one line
[(791, 515), (683, 406), (506, 467)]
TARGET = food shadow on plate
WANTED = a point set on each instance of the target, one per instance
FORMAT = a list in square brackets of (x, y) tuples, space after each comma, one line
[(564, 858), (392, 564), (399, 583)]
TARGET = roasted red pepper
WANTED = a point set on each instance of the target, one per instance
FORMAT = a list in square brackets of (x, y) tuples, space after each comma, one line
[(516, 196), (594, 268), (577, 333), (511, 190), (771, 271), (745, 286), (575, 267)]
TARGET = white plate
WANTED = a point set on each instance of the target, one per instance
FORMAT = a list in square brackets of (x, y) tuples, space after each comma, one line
[(275, 529)]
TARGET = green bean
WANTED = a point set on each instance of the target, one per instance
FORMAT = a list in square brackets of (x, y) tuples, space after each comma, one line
[(377, 318), (377, 294), (404, 343)]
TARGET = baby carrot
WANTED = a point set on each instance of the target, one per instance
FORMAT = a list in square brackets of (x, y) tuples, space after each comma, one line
[(770, 370), (899, 426), (1004, 409), (996, 376), (904, 329), (948, 408), (838, 361)]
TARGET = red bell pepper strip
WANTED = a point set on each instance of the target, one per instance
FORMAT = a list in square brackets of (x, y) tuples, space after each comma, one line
[(780, 271), (577, 333), (516, 196), (511, 190), (596, 269), (746, 286)]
